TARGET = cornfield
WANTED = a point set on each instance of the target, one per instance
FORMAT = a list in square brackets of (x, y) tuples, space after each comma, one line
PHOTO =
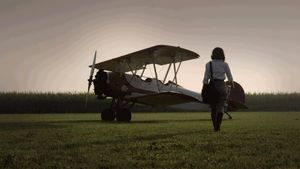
[(28, 102), (273, 101)]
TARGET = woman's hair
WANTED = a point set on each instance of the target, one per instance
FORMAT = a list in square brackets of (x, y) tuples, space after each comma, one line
[(218, 53)]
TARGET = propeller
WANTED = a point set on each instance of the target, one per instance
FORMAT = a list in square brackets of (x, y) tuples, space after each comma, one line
[(90, 79)]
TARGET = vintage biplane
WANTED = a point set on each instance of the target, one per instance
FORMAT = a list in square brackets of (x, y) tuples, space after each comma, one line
[(119, 80)]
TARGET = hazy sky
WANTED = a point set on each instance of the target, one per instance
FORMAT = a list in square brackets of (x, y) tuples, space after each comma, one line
[(47, 45)]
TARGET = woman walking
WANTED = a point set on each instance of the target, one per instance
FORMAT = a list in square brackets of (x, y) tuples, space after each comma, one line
[(219, 69)]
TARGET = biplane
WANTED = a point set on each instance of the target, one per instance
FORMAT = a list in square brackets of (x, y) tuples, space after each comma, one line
[(119, 80)]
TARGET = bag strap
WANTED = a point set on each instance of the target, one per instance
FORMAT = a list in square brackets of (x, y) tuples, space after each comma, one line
[(211, 71)]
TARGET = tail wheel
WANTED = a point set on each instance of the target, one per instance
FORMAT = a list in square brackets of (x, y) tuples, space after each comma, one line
[(123, 115), (108, 115)]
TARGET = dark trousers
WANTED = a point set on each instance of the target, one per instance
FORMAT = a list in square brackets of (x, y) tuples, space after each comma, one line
[(217, 109), (216, 118)]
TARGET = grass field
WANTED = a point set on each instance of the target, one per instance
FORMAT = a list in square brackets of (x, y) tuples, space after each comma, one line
[(151, 140)]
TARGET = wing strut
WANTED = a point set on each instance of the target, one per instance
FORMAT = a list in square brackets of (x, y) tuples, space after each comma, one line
[(175, 73), (143, 71), (167, 73), (132, 71), (156, 76)]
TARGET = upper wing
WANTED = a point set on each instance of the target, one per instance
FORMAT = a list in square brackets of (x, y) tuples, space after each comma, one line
[(161, 54), (165, 99)]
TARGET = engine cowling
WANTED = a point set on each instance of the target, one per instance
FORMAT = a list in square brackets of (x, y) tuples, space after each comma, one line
[(100, 84)]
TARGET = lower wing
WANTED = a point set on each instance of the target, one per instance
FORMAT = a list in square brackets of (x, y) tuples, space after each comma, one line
[(164, 99)]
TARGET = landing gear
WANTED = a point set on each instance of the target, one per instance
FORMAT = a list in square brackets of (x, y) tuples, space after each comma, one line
[(119, 110), (123, 115), (108, 115)]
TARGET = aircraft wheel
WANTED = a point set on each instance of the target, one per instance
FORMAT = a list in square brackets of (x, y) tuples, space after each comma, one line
[(123, 115), (108, 115)]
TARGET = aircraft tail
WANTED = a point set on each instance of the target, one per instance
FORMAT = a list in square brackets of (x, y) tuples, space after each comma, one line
[(236, 98)]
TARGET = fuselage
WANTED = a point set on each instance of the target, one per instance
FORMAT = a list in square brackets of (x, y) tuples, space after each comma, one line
[(129, 86), (154, 85)]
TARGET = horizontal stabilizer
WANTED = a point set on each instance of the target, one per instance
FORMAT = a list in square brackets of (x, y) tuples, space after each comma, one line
[(165, 99), (234, 105)]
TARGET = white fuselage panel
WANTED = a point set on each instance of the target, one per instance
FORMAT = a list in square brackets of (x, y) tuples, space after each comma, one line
[(154, 85)]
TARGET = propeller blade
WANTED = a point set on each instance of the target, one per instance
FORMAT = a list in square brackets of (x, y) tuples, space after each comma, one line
[(90, 79), (93, 65)]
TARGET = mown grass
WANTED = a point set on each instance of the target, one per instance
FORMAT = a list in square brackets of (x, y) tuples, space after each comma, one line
[(151, 140)]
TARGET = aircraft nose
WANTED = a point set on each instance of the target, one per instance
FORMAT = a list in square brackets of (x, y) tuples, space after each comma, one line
[(100, 82)]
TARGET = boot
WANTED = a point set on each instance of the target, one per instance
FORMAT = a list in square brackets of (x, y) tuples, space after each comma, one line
[(214, 120), (219, 119), (214, 116)]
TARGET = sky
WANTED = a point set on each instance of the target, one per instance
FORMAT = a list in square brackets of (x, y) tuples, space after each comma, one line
[(47, 46)]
